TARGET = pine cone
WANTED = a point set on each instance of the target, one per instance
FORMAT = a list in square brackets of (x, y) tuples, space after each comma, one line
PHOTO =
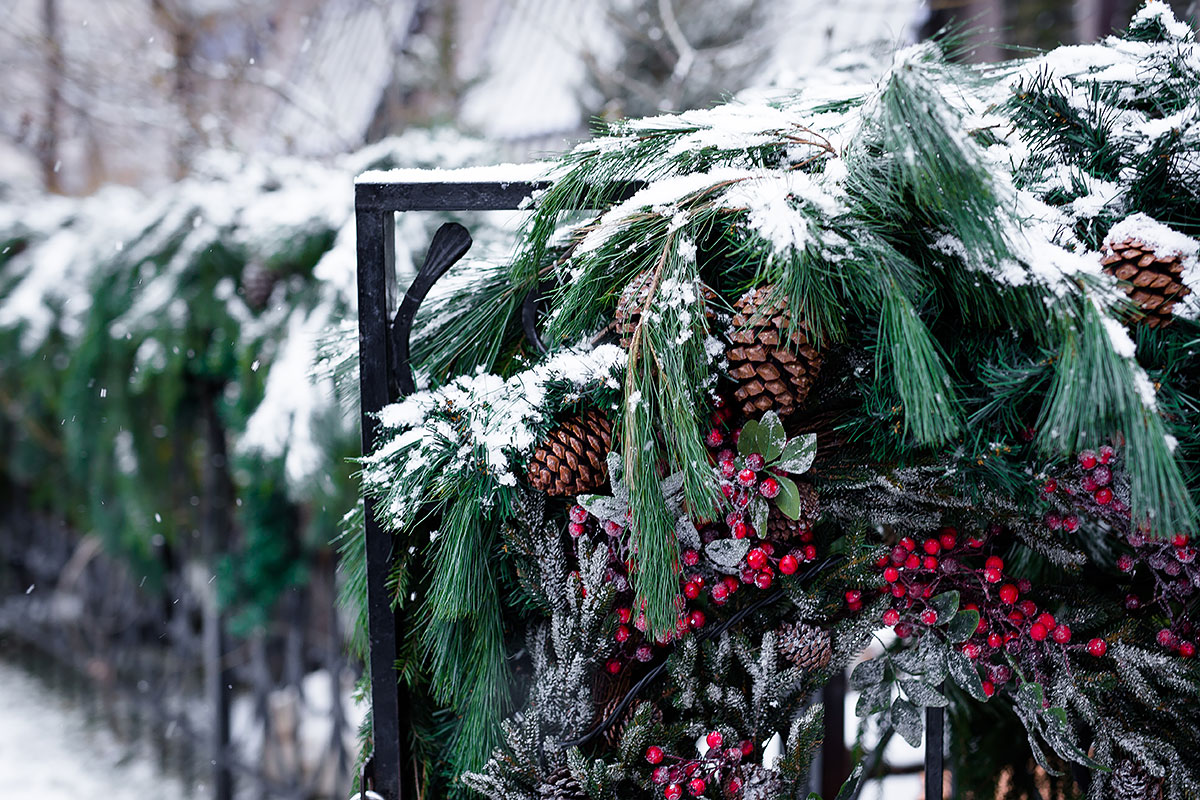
[(1130, 782), (807, 646), (633, 302), (774, 371), (571, 460), (561, 785), (782, 529), (760, 783), (1154, 281), (616, 732), (257, 284)]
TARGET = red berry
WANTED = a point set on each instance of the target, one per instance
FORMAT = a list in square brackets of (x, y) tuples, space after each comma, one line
[(904, 630), (908, 543), (898, 590), (747, 747), (989, 688), (1133, 602), (788, 564), (994, 562), (1028, 607), (691, 590), (715, 438), (613, 667), (769, 488), (929, 563), (1087, 459), (1050, 486), (1166, 638), (731, 583), (764, 578), (1097, 647), (891, 617), (623, 614), (974, 543), (735, 786), (970, 650), (696, 620), (720, 593), (982, 626), (756, 558), (810, 552), (728, 469), (1062, 634), (747, 477), (1125, 563), (947, 540), (691, 558), (714, 739), (993, 575), (929, 616), (1106, 454), (697, 786), (932, 547), (643, 653), (1038, 632), (1008, 594), (1103, 495), (1046, 620), (1071, 524), (623, 633), (1179, 540), (1187, 649), (740, 530), (1088, 484), (995, 640), (755, 461), (673, 791), (854, 596), (576, 529), (578, 514), (912, 562)]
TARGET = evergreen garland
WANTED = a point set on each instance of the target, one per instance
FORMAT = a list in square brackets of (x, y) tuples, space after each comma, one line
[(992, 456)]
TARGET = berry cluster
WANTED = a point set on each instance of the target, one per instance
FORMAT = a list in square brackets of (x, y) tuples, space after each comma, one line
[(1094, 487), (717, 769), (1011, 625)]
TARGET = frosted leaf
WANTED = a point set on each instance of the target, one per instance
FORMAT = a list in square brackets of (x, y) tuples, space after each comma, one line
[(686, 531), (727, 554)]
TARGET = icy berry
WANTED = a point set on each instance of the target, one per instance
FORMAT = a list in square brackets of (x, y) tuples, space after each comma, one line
[(993, 575), (578, 514), (714, 739), (623, 633), (1027, 607), (623, 614), (769, 488), (673, 791), (728, 469), (1062, 634), (735, 786), (1046, 619), (1125, 563), (740, 530), (1052, 521), (1103, 495), (1102, 475), (1008, 594), (1038, 632), (970, 650), (929, 616), (660, 774), (1187, 649), (1097, 647), (691, 557), (643, 653), (1132, 602), (697, 786), (995, 640), (691, 590), (1071, 524), (788, 564), (720, 593), (747, 477), (891, 617), (1087, 459), (756, 558), (715, 438), (576, 529), (1166, 638), (765, 577)]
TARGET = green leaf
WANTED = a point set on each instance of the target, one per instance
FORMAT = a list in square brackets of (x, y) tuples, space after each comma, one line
[(788, 499), (798, 454), (946, 606), (962, 670), (963, 626), (867, 673), (923, 694), (1030, 698), (906, 719), (751, 439), (773, 437)]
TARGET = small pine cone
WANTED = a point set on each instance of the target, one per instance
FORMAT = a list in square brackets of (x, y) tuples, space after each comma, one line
[(616, 732), (782, 529), (760, 783), (1154, 282), (561, 785), (807, 646), (1130, 782), (571, 460), (257, 284), (774, 371), (633, 302)]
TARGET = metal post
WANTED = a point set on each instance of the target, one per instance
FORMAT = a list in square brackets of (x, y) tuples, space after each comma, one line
[(376, 271), (835, 761), (935, 734)]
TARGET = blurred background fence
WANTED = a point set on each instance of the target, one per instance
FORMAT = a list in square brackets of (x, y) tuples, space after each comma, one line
[(176, 237)]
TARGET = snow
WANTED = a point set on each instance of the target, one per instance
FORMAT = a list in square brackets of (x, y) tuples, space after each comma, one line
[(1160, 12), (492, 173), (771, 200)]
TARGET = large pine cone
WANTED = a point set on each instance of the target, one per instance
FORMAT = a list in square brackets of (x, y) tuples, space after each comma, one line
[(257, 284), (616, 732), (571, 460), (561, 785), (1130, 782), (633, 302), (774, 371), (782, 529), (1155, 283), (807, 646)]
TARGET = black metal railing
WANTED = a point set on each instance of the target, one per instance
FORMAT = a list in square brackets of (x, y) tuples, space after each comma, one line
[(385, 376)]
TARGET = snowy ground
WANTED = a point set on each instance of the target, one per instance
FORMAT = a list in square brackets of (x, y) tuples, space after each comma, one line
[(50, 751)]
